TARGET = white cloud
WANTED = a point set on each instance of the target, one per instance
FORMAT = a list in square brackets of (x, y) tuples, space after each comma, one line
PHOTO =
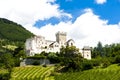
[(93, 29), (100, 1), (88, 29), (28, 11), (49, 30)]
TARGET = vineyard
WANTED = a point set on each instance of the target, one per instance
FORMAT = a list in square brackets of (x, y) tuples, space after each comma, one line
[(43, 73), (32, 73), (110, 73)]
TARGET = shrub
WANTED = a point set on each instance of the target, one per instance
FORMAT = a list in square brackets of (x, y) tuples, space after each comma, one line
[(36, 57), (87, 65), (44, 65), (105, 63), (117, 59), (4, 76), (73, 65), (36, 63), (95, 62)]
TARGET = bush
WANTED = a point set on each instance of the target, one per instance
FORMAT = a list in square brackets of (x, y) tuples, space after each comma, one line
[(111, 60), (95, 62), (117, 59), (44, 65), (105, 63), (36, 63), (73, 65), (56, 59), (4, 76), (36, 57), (17, 61), (87, 65)]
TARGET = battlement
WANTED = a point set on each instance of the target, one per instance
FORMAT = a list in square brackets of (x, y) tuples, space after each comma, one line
[(61, 37), (61, 33)]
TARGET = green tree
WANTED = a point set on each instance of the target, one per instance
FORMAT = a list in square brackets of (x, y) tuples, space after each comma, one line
[(69, 51), (7, 60), (8, 63), (117, 59), (70, 58), (100, 49), (87, 64), (19, 52)]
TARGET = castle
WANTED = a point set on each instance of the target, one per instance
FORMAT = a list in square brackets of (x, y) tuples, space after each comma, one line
[(38, 44)]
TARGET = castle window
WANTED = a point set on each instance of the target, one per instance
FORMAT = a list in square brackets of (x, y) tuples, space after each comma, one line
[(71, 44), (87, 55), (56, 45), (45, 47)]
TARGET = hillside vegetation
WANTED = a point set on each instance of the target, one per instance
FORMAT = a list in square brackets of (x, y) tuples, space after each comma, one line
[(110, 73), (12, 38), (13, 31)]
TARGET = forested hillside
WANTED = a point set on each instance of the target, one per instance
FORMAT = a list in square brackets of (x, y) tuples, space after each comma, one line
[(13, 31)]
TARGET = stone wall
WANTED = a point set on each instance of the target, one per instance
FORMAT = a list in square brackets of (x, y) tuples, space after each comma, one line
[(33, 61)]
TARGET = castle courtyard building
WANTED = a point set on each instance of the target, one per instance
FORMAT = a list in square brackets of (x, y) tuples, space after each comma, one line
[(38, 44)]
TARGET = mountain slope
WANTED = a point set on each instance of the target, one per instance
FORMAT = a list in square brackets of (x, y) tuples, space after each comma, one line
[(13, 31)]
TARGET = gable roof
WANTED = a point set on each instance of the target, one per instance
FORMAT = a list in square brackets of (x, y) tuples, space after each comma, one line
[(70, 40)]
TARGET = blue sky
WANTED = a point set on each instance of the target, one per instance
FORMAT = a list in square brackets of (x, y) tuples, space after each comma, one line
[(85, 21), (109, 10)]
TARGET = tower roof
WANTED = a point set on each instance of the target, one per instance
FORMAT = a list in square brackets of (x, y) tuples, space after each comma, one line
[(86, 48)]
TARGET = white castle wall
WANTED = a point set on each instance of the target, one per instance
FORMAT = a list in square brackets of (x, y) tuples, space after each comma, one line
[(38, 44)]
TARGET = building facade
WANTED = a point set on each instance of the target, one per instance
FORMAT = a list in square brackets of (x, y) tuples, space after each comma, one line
[(38, 44), (86, 52)]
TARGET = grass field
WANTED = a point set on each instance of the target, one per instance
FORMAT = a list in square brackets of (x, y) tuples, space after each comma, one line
[(110, 73), (31, 73)]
